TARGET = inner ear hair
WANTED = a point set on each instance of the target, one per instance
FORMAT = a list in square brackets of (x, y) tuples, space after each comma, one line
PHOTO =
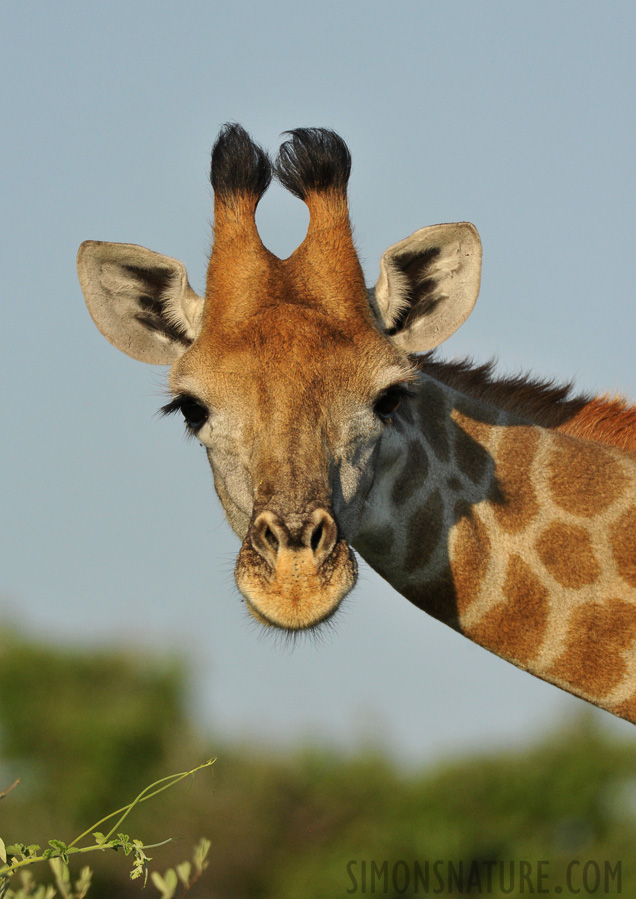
[(141, 301), (416, 288), (428, 285)]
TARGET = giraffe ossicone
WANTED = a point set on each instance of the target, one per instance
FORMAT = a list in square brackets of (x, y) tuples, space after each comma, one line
[(505, 508)]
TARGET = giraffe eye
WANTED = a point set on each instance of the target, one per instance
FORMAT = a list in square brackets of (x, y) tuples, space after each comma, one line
[(194, 412), (388, 403)]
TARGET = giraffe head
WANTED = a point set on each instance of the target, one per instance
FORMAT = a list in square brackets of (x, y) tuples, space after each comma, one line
[(289, 372)]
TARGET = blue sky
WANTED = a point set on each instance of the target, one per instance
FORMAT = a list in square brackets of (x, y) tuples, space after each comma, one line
[(518, 117)]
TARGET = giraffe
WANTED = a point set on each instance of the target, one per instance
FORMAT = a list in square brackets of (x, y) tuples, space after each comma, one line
[(504, 508)]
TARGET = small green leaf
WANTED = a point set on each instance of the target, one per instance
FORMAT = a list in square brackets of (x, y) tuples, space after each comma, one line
[(124, 841), (61, 873), (200, 851), (99, 837), (58, 844), (83, 883), (16, 849), (183, 870), (61, 847), (3, 851), (166, 884)]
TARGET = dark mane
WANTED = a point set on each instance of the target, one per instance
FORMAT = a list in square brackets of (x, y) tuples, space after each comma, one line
[(602, 419), (239, 166), (313, 159), (542, 402)]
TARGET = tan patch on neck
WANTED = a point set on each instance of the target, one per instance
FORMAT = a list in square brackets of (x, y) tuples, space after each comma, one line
[(593, 659), (515, 454), (514, 628), (584, 479), (566, 551), (475, 419), (623, 537)]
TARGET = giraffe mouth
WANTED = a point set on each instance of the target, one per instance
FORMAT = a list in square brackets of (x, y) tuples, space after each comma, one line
[(295, 592)]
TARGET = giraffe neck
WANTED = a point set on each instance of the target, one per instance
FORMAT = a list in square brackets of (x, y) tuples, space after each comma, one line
[(520, 537)]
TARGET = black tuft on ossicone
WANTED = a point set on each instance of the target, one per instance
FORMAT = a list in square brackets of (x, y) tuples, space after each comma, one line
[(313, 159), (239, 166)]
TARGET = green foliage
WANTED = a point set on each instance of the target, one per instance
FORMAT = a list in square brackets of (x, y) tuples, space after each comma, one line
[(166, 885), (286, 826), (17, 856)]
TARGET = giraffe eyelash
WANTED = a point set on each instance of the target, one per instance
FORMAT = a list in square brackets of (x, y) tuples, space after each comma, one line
[(193, 411)]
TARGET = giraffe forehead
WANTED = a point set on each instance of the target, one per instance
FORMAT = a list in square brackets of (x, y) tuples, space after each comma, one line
[(288, 357)]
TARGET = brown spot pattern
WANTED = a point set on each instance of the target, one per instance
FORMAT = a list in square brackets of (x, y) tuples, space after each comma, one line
[(626, 709), (434, 420), (623, 537), (584, 479), (405, 414), (436, 598), (471, 458), (424, 532), (376, 543), (514, 628), (413, 474), (471, 553), (518, 505), (593, 657), (566, 551)]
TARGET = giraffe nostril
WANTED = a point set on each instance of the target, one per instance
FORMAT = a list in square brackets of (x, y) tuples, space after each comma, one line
[(316, 537), (272, 539), (267, 535), (320, 535)]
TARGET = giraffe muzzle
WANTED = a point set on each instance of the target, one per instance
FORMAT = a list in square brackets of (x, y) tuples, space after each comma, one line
[(294, 570)]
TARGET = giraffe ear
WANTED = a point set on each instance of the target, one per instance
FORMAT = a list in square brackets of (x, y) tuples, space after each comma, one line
[(140, 301), (428, 285)]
